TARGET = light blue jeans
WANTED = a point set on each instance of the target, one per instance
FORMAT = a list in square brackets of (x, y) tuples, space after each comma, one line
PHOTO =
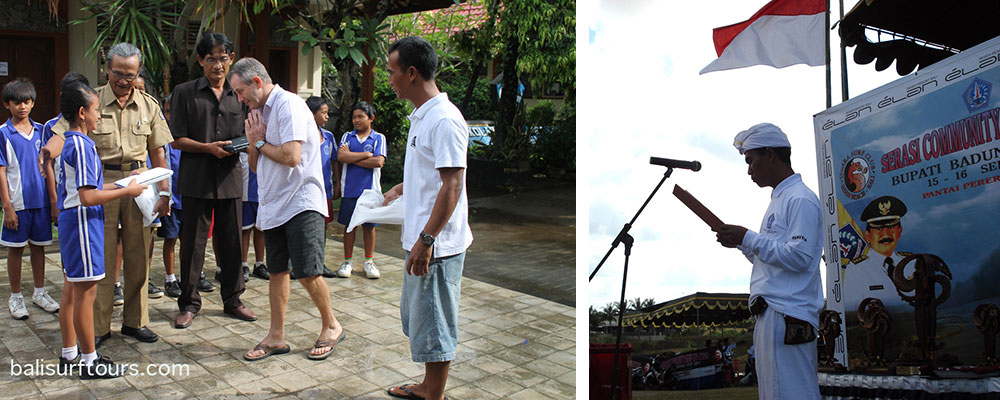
[(428, 309)]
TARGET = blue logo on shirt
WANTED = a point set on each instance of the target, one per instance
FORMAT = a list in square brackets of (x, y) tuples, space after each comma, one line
[(770, 221), (369, 148)]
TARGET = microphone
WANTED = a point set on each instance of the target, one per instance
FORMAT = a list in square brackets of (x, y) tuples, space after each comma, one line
[(666, 162)]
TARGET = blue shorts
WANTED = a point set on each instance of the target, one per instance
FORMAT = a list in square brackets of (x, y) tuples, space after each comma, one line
[(249, 214), (170, 227), (34, 226), (428, 309), (347, 205), (81, 243)]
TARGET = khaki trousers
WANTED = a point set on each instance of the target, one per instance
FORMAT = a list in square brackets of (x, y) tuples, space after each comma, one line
[(135, 267)]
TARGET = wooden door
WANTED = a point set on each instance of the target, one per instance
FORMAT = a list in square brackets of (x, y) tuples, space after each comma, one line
[(32, 58)]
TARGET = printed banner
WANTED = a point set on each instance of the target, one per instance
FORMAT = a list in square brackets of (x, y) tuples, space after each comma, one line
[(910, 185)]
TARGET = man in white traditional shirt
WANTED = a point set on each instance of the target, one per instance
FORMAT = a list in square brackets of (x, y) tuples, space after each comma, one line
[(786, 294), (436, 224)]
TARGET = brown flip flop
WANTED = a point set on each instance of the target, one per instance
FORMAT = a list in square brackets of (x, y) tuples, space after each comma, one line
[(332, 344), (268, 351)]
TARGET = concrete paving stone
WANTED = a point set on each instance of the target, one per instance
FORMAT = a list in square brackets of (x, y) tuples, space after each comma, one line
[(483, 345), (132, 395), (169, 391), (142, 380), (239, 375), (515, 355), (353, 386), (362, 328), (310, 325), (241, 329), (22, 387), (490, 364), (466, 372), (527, 394), (500, 323), (204, 384), (568, 378), (320, 392), (478, 329), (522, 376), (504, 338), (387, 337), (197, 351), (563, 358), (469, 392), (104, 388), (554, 389), (527, 332), (520, 317), (218, 361), (546, 326), (51, 384), (22, 342), (224, 394), (75, 393), (464, 336), (380, 375), (207, 333), (566, 333), (546, 368), (412, 370), (556, 342), (498, 386)]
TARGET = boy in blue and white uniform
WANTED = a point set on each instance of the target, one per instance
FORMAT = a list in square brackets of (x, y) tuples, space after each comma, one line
[(362, 153), (170, 225), (328, 158), (250, 206), (26, 204)]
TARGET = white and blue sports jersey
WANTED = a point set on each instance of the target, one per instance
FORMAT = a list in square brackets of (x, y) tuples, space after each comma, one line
[(81, 229), (329, 155), (355, 179), (173, 157), (48, 134), (20, 155), (249, 180)]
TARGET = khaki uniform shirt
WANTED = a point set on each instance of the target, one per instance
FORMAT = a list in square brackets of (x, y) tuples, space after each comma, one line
[(128, 134)]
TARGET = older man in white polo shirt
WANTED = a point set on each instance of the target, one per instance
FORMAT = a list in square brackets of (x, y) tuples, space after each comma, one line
[(436, 223), (285, 154)]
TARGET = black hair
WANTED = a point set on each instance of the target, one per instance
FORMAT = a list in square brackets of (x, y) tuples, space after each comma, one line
[(18, 90), (784, 154), (72, 78), (73, 97), (366, 108), (210, 41), (414, 51), (314, 103)]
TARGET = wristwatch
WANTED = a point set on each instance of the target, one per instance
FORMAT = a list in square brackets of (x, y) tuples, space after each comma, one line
[(428, 240), (259, 144), (164, 193)]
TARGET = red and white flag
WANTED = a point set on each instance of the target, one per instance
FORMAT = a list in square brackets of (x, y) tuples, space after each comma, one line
[(783, 33)]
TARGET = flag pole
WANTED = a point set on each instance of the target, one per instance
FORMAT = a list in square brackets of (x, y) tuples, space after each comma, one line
[(829, 90), (843, 60)]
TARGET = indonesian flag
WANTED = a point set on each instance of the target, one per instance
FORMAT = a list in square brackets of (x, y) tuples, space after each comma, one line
[(783, 33)]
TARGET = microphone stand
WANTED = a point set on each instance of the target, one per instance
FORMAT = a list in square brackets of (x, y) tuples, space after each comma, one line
[(624, 237)]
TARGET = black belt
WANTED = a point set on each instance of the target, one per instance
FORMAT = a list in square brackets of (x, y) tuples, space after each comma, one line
[(758, 306), (134, 165)]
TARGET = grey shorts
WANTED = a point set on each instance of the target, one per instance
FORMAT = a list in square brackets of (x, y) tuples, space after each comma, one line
[(296, 245)]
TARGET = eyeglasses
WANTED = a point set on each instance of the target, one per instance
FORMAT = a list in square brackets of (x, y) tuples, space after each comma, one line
[(213, 61), (127, 78)]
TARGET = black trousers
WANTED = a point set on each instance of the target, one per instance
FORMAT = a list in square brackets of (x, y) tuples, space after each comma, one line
[(228, 249)]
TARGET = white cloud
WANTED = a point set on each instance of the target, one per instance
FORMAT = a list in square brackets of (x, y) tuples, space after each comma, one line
[(641, 96)]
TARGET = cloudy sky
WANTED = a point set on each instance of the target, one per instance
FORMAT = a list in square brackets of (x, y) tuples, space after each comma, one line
[(641, 96)]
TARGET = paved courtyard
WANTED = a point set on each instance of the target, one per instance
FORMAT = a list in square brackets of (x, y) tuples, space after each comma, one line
[(511, 345)]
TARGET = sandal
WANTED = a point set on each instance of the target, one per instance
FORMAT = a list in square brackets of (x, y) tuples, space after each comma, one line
[(332, 344), (268, 351)]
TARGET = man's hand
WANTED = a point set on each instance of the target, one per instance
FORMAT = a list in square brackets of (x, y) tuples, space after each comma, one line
[(54, 210), (162, 207), (215, 149), (393, 194), (134, 189), (336, 190), (9, 218), (420, 259), (254, 127), (730, 235)]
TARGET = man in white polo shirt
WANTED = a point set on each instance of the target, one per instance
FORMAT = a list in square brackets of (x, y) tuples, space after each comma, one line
[(436, 222), (285, 154)]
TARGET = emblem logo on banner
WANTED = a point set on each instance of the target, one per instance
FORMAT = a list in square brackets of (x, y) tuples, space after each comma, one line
[(977, 95), (857, 174)]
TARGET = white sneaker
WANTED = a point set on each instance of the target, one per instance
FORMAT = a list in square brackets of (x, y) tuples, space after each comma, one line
[(46, 302), (345, 269), (17, 308), (370, 271)]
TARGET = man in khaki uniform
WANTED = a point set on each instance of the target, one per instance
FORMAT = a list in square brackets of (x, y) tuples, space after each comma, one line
[(131, 126)]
